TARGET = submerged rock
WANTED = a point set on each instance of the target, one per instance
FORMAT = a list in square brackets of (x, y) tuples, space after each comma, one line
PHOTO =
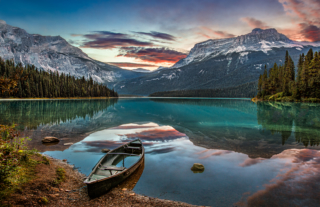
[(197, 168), (67, 144), (105, 150), (50, 139)]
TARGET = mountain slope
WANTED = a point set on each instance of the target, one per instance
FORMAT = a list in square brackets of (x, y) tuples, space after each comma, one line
[(56, 54), (220, 63)]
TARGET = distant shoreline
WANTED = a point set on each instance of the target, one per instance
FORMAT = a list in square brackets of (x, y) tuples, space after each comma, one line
[(62, 98), (120, 97)]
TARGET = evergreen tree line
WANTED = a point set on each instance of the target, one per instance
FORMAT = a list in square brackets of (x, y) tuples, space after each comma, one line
[(247, 90), (284, 81), (34, 83)]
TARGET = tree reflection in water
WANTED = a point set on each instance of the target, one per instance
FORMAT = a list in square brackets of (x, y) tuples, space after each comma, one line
[(300, 119)]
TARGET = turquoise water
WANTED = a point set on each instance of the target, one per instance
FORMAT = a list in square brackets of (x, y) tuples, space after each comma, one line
[(253, 154)]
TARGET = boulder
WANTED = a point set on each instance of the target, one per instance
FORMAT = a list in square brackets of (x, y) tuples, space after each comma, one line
[(50, 139), (105, 150), (197, 168)]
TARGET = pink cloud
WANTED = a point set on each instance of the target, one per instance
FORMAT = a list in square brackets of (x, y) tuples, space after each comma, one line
[(254, 23), (218, 153), (210, 33), (153, 55), (156, 135), (307, 17), (306, 10), (298, 185), (248, 162)]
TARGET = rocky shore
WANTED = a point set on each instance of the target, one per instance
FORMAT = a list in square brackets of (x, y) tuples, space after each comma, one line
[(45, 191)]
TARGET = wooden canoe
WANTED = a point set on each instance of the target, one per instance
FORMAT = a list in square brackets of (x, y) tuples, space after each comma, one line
[(114, 167)]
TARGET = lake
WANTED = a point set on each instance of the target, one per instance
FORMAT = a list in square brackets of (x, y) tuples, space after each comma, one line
[(254, 154)]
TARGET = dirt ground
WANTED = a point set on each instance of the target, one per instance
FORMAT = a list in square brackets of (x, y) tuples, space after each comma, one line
[(72, 192)]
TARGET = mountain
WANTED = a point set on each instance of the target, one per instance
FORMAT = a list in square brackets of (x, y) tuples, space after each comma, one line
[(141, 70), (220, 63), (55, 54)]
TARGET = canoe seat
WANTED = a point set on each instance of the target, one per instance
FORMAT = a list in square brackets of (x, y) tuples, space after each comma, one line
[(97, 177), (134, 148), (112, 168)]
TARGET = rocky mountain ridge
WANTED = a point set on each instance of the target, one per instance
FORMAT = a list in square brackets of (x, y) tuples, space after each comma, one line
[(220, 63), (257, 40), (54, 53)]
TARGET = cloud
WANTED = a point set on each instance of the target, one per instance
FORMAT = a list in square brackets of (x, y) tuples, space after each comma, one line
[(161, 151), (156, 135), (158, 35), (130, 65), (306, 155), (105, 34), (131, 127), (306, 13), (248, 162), (154, 55), (254, 23), (110, 40), (306, 10), (2, 21), (299, 185), (103, 144), (217, 153), (76, 35), (210, 33), (310, 32), (224, 34)]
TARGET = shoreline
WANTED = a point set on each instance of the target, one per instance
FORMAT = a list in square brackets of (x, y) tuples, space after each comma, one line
[(305, 100), (73, 192), (63, 98)]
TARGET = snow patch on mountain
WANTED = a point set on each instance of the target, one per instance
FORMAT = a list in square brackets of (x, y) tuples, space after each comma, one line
[(53, 53), (257, 40)]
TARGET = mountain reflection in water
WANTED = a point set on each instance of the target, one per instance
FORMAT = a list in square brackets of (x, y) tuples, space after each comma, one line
[(257, 154)]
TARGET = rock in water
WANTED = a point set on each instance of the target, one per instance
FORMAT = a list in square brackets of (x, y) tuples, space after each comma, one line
[(105, 150), (50, 139), (68, 144), (197, 168)]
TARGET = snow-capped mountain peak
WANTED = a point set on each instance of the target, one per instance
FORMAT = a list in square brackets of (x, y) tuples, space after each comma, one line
[(257, 40), (53, 53)]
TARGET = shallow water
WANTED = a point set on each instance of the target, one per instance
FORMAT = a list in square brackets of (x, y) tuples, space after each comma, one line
[(253, 154)]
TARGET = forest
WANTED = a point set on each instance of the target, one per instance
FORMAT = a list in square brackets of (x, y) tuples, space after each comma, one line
[(30, 82), (247, 90), (283, 83)]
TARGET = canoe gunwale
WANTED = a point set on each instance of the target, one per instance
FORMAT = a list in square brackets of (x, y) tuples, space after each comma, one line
[(122, 172)]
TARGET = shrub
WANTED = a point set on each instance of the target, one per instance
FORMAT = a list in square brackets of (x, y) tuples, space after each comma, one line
[(14, 159), (61, 176)]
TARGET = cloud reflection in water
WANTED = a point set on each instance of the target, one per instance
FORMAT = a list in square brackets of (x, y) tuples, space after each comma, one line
[(298, 186), (149, 133)]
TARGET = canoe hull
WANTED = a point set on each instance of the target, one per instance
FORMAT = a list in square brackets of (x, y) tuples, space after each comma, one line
[(97, 189)]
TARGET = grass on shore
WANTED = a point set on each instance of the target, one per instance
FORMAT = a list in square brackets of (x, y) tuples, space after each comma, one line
[(281, 98), (17, 163)]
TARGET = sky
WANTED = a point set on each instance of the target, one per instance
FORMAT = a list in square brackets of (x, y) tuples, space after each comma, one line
[(151, 33)]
